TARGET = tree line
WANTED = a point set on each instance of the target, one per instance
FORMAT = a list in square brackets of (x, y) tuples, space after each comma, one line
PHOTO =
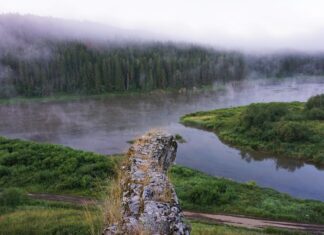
[(289, 64), (86, 68), (77, 67)]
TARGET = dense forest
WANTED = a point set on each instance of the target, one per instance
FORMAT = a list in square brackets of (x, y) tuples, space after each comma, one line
[(41, 56), (286, 64), (87, 68), (76, 67)]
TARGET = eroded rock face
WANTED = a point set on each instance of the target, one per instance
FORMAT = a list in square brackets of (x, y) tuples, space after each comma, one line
[(150, 204)]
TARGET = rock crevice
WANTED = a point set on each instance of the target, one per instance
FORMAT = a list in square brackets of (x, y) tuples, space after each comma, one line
[(149, 202)]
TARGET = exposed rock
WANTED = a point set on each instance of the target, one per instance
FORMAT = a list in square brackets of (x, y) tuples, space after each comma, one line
[(150, 204)]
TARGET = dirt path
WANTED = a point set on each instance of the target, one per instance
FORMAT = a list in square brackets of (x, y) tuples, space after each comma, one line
[(238, 221), (63, 198)]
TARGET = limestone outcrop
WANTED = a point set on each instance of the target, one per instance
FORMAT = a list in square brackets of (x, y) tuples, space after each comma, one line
[(149, 202)]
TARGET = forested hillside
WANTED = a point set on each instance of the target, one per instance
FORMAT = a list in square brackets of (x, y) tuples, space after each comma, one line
[(41, 56), (75, 67)]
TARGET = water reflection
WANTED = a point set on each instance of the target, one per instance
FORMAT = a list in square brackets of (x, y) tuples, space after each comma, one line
[(280, 161)]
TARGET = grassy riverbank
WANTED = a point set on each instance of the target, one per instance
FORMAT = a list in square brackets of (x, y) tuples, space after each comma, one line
[(294, 129), (200, 192), (32, 167), (203, 228), (41, 217), (52, 168)]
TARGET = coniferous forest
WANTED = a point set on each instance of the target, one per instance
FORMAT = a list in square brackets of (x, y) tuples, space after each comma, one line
[(80, 68)]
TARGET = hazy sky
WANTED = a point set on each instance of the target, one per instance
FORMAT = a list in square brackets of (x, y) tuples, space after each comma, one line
[(247, 24)]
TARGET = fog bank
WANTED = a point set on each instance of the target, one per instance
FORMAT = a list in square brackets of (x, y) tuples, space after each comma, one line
[(249, 25)]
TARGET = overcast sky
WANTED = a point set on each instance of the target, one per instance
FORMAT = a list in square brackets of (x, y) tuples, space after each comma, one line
[(244, 24)]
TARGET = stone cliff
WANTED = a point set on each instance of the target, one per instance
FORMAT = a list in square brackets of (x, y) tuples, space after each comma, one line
[(149, 202)]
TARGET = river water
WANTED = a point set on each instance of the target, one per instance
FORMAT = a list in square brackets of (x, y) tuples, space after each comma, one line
[(105, 125)]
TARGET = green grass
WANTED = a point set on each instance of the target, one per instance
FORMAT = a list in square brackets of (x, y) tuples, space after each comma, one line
[(203, 228), (40, 218), (203, 193), (52, 168), (27, 166), (280, 128), (20, 214)]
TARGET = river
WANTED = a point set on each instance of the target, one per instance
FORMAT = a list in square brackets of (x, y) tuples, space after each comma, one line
[(105, 125)]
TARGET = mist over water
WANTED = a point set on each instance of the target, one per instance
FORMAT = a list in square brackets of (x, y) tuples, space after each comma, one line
[(105, 125)]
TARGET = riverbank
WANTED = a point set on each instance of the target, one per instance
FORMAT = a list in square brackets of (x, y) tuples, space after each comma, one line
[(287, 129), (203, 193), (49, 166), (61, 97)]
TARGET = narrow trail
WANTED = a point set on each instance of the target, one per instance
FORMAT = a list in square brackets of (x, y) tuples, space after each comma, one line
[(233, 220), (63, 198), (246, 222)]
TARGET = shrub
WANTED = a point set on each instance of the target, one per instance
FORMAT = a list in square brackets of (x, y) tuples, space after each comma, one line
[(205, 194), (12, 197), (258, 115), (4, 171), (292, 131), (315, 102), (315, 114), (251, 184)]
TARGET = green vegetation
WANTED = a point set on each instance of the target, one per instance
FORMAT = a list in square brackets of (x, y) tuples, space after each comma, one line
[(203, 228), (43, 221), (52, 168), (200, 192), (27, 216), (179, 139), (200, 228), (292, 129), (31, 167), (315, 107), (80, 68), (28, 166)]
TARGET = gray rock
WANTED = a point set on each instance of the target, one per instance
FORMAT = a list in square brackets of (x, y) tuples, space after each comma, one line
[(149, 201)]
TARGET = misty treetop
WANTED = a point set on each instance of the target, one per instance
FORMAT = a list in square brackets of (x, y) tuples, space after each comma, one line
[(76, 67)]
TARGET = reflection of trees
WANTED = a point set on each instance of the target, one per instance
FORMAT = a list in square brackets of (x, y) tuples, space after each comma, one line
[(237, 86), (281, 162)]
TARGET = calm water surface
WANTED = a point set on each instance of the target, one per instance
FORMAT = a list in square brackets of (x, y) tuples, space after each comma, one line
[(105, 125)]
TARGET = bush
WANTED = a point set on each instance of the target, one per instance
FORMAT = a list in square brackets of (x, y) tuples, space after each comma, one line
[(258, 115), (205, 194), (314, 107), (251, 184), (12, 197), (315, 102), (315, 114), (292, 131)]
